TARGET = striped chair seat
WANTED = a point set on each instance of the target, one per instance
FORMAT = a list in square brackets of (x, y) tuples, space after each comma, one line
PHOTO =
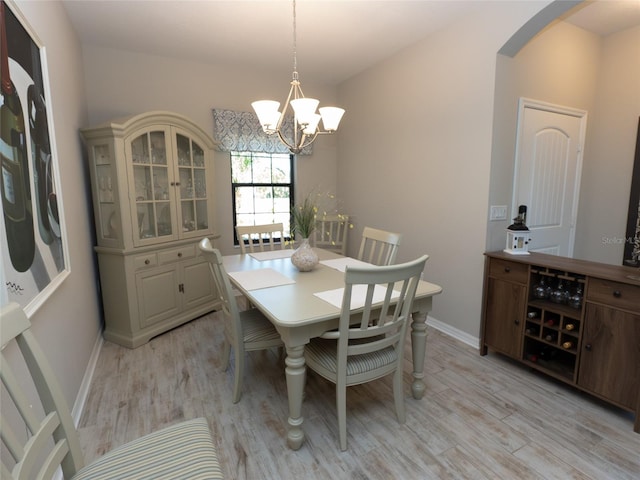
[(257, 328), (182, 451), (323, 354)]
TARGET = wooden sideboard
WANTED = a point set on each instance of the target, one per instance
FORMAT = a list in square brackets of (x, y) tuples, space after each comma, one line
[(574, 320)]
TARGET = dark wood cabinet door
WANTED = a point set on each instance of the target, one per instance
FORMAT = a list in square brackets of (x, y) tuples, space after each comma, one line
[(505, 316), (610, 356)]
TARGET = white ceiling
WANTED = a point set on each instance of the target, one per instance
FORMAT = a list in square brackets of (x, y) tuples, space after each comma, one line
[(336, 39)]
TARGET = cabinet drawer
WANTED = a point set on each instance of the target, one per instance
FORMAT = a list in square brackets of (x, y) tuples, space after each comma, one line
[(614, 294), (176, 254), (509, 271), (145, 261)]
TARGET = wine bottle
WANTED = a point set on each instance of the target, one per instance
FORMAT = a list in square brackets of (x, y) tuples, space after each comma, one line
[(41, 159), (550, 337), (547, 353), (569, 326), (567, 345), (15, 187), (532, 314)]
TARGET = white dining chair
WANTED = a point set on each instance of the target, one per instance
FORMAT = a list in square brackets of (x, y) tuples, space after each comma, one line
[(40, 437), (244, 331), (260, 238), (374, 347), (331, 233), (379, 247)]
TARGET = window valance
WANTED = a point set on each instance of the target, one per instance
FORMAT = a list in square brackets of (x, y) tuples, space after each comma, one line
[(241, 132)]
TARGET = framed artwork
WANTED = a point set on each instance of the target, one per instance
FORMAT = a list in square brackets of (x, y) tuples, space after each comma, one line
[(632, 243), (33, 246)]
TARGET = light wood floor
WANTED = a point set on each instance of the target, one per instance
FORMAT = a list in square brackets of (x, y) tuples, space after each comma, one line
[(481, 418)]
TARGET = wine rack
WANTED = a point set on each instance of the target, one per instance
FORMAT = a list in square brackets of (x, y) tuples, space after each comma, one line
[(574, 320), (552, 328)]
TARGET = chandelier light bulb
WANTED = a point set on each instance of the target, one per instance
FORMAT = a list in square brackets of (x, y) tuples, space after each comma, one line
[(304, 109), (268, 115), (312, 125), (331, 117)]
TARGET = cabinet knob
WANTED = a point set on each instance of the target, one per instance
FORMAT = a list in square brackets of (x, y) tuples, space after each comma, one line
[(507, 269), (587, 347), (179, 254), (617, 293), (177, 184), (147, 262), (517, 321)]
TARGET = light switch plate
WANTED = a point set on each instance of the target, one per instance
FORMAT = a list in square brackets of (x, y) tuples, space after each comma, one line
[(498, 212)]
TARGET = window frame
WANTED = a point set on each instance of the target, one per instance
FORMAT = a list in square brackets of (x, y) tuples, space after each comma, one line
[(234, 185)]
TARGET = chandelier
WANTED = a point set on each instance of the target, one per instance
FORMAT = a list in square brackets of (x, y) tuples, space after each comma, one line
[(306, 121)]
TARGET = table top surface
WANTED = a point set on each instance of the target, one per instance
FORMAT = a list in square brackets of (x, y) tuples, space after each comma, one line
[(294, 304)]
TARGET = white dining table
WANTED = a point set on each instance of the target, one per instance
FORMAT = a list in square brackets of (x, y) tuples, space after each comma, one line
[(304, 305)]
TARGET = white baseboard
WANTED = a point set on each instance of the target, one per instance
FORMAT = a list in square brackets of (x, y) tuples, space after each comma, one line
[(81, 398), (454, 332)]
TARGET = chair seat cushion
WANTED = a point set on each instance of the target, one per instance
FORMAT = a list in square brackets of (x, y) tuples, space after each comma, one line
[(257, 328), (182, 451), (324, 354)]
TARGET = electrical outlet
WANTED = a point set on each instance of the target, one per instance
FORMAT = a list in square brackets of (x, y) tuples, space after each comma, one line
[(498, 212)]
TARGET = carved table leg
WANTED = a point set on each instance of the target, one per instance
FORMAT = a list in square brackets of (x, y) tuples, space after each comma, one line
[(418, 348), (295, 371)]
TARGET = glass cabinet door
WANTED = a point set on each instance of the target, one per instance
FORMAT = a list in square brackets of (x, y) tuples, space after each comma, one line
[(151, 185), (109, 223), (193, 185)]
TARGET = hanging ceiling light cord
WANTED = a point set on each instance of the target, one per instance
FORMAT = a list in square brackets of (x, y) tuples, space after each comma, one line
[(295, 44), (296, 92)]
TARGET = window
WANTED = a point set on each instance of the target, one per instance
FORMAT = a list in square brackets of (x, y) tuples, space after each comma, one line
[(262, 189)]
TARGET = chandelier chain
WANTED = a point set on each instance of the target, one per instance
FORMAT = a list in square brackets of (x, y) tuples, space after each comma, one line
[(295, 45)]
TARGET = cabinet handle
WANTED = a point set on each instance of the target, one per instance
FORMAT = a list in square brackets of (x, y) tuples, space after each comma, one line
[(587, 347), (507, 269), (147, 262), (617, 293)]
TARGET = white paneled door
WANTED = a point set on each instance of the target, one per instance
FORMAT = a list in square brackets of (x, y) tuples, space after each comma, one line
[(550, 142)]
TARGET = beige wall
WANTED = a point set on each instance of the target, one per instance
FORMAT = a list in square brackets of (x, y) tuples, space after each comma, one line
[(606, 176), (559, 66), (569, 66), (68, 323), (415, 150), (413, 154), (122, 83)]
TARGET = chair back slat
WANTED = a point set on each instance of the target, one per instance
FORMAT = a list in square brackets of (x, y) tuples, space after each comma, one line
[(223, 286), (10, 440), (378, 246), (15, 391), (260, 238), (37, 444), (331, 233), (383, 323), (49, 440)]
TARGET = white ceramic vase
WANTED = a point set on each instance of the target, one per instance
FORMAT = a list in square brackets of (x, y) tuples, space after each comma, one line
[(304, 258)]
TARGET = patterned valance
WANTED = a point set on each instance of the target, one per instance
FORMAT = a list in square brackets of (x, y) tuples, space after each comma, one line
[(241, 132)]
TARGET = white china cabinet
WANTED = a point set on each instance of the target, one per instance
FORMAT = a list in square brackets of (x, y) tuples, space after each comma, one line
[(152, 185)]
